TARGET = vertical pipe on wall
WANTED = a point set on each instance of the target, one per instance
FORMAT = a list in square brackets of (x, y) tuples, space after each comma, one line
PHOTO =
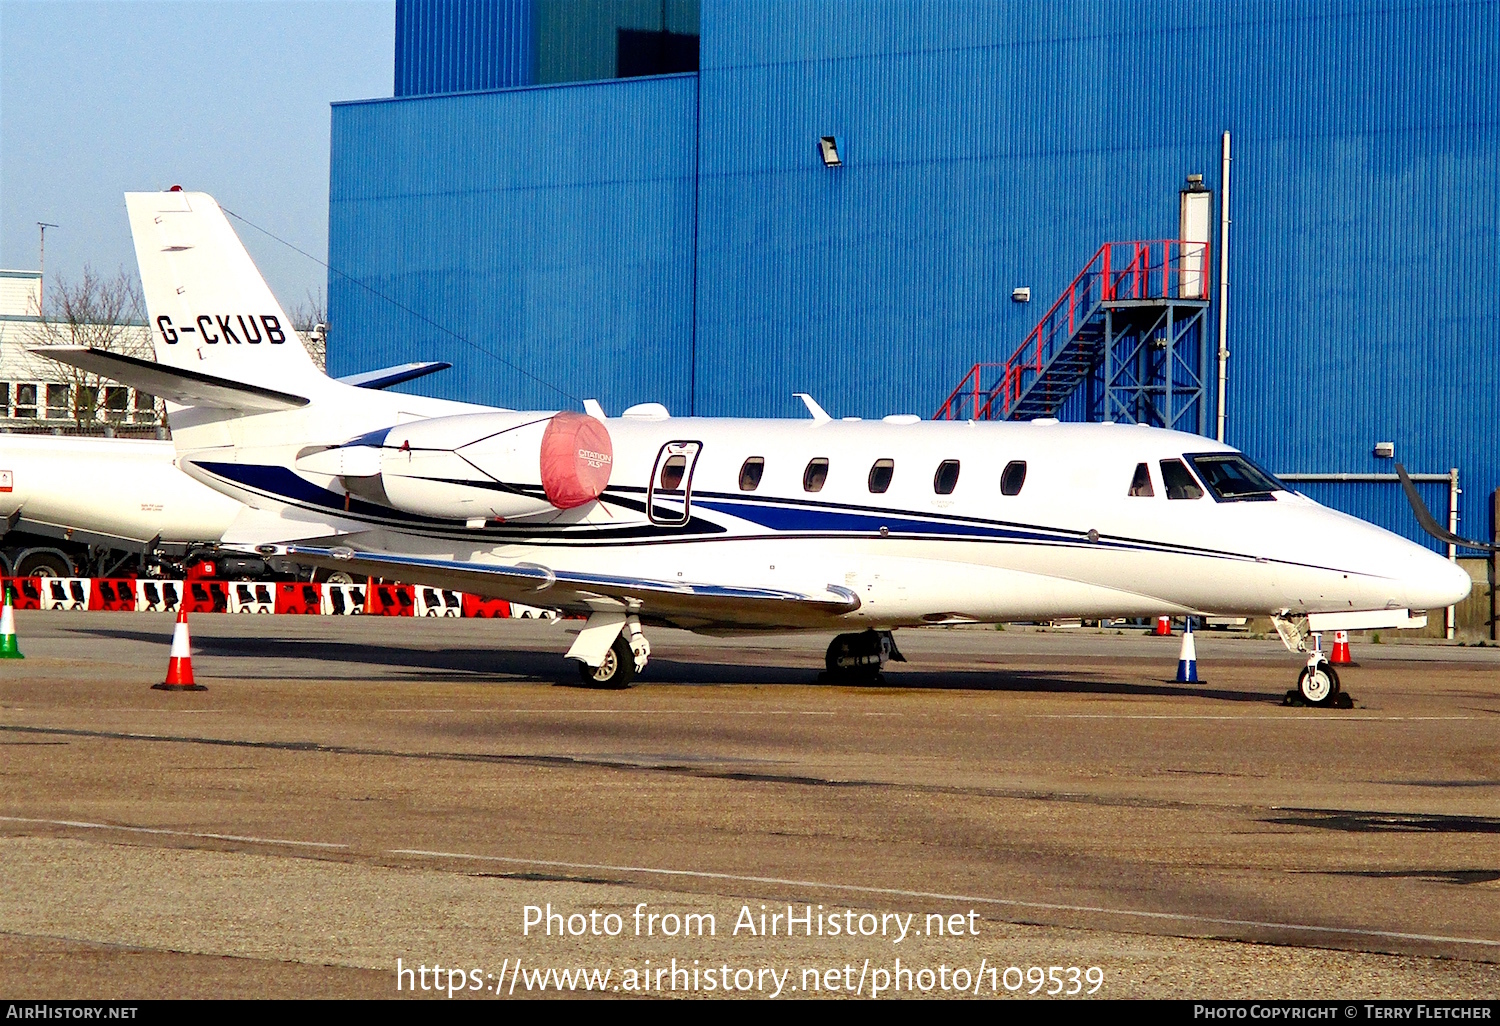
[(1494, 564), (1448, 617), (1223, 284)]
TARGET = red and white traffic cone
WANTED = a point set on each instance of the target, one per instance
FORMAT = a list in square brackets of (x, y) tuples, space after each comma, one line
[(1163, 627), (1341, 655), (180, 667)]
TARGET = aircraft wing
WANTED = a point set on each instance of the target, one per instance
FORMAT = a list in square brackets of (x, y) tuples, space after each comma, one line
[(675, 602), (178, 385)]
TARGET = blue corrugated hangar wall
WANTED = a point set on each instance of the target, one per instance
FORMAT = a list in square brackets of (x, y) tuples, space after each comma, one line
[(678, 239)]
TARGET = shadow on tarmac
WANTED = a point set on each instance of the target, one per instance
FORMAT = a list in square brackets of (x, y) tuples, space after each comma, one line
[(471, 664)]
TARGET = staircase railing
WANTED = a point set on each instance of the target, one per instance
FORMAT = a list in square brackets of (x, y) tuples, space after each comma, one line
[(1118, 271)]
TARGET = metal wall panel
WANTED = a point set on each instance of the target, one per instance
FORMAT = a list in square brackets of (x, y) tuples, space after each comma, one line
[(997, 145), (987, 145), (454, 46), (551, 228)]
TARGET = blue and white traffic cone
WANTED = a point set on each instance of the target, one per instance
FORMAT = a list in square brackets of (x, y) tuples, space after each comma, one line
[(1187, 659)]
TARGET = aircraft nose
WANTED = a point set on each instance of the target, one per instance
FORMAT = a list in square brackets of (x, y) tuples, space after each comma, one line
[(1432, 582)]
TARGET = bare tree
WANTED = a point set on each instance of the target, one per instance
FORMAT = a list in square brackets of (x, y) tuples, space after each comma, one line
[(94, 311), (311, 321)]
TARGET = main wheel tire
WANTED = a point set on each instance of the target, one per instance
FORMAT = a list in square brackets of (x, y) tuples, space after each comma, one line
[(853, 657), (617, 670), (1318, 685)]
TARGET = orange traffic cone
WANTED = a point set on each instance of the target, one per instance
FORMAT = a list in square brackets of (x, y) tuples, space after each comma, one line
[(1341, 655), (1163, 627), (180, 667)]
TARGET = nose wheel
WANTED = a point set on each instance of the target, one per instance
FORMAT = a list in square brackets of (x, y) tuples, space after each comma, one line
[(1318, 684)]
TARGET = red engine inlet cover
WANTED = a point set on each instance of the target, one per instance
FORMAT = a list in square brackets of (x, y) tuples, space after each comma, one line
[(577, 457)]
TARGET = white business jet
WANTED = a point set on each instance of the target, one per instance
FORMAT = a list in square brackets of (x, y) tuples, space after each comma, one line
[(854, 528)]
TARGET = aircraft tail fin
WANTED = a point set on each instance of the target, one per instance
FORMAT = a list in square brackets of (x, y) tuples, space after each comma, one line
[(209, 309)]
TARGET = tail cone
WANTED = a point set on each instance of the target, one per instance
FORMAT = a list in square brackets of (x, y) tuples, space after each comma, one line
[(1187, 659), (9, 649), (180, 666)]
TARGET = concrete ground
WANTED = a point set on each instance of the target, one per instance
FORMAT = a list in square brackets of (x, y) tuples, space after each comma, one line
[(353, 792)]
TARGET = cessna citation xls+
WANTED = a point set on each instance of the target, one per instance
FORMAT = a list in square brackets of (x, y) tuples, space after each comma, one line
[(853, 528)]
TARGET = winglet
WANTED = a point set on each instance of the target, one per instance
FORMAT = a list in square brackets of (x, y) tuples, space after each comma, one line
[(1429, 523), (819, 415)]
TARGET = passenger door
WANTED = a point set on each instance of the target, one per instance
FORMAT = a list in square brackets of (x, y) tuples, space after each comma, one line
[(672, 483)]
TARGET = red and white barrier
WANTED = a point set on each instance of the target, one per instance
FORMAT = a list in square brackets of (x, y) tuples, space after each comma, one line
[(438, 602), (152, 596), (66, 592), (344, 599), (252, 597), (296, 598)]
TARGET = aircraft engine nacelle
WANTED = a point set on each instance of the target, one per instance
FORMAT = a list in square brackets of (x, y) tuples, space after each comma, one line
[(478, 466)]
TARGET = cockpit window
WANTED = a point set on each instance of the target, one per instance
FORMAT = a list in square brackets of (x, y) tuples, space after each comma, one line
[(1013, 477), (1140, 484), (1231, 477), (750, 473), (1179, 482)]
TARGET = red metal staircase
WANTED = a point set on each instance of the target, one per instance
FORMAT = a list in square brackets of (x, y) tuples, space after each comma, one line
[(1124, 325)]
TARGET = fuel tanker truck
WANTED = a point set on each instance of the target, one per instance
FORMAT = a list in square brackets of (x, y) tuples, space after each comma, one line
[(105, 507)]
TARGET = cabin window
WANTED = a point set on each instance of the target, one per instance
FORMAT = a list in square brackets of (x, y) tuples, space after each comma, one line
[(1179, 482), (750, 472), (1013, 478), (880, 475), (946, 478), (815, 474), (672, 472), (1231, 477), (1140, 484)]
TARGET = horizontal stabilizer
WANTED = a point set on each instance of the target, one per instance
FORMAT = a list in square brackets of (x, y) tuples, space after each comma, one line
[(175, 384), (668, 601), (388, 376)]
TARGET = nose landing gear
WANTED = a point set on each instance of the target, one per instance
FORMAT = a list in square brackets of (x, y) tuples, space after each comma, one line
[(1318, 683)]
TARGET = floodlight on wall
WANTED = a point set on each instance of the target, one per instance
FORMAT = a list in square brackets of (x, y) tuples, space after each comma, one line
[(1021, 295), (828, 149), (1385, 450)]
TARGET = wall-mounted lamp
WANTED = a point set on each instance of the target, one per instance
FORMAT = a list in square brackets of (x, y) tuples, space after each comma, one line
[(1385, 450), (1021, 295), (828, 149), (1195, 184)]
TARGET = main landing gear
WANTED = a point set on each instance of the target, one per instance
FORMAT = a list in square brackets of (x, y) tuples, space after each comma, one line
[(858, 658), (1318, 683), (611, 649)]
